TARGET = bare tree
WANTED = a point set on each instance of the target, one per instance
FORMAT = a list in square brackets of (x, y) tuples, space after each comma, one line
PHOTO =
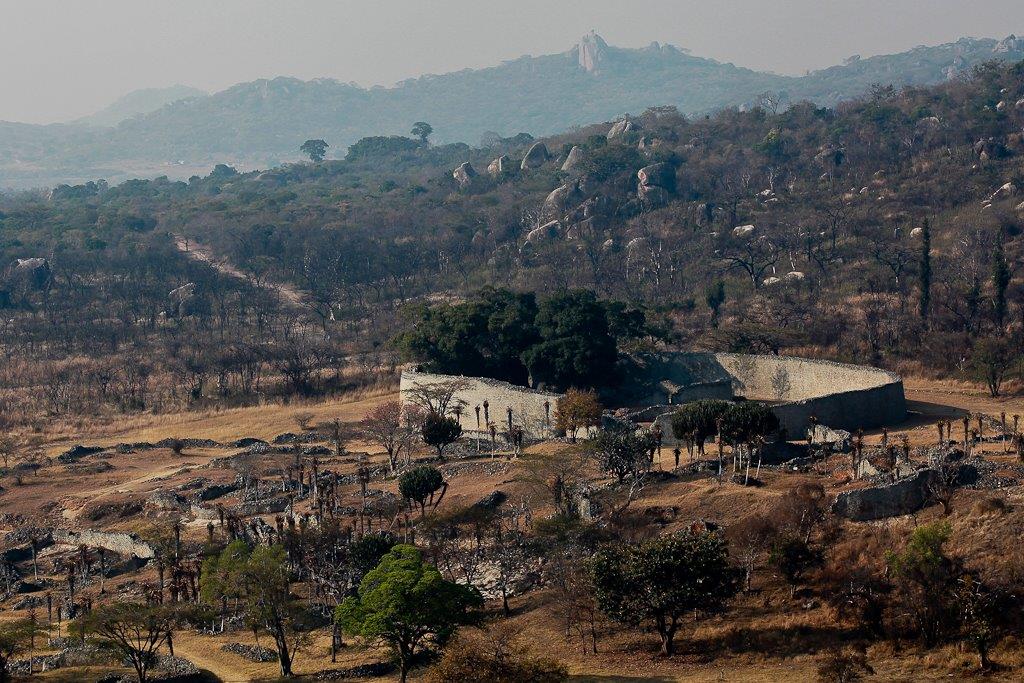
[(439, 398), (383, 426)]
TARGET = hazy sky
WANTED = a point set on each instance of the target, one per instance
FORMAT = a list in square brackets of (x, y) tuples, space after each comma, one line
[(60, 59)]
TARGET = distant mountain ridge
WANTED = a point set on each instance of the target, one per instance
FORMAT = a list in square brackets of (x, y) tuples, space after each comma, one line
[(263, 122), (138, 102)]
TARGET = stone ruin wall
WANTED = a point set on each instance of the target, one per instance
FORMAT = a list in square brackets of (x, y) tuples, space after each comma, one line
[(528, 409), (125, 545), (838, 395), (788, 378), (802, 388)]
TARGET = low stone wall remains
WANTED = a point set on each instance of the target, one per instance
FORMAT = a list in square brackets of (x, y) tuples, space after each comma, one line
[(902, 497), (125, 545)]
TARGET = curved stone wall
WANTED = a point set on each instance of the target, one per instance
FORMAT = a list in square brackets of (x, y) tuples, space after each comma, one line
[(836, 394)]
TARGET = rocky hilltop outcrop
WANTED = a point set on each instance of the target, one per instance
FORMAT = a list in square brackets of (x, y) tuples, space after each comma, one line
[(591, 50), (252, 124)]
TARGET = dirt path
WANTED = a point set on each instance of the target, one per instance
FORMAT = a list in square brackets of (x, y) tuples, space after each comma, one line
[(199, 651), (289, 294)]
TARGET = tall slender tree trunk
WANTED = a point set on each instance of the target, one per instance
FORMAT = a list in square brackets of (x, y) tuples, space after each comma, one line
[(668, 644)]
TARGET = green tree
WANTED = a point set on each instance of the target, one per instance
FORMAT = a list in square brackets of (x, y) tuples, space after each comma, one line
[(794, 557), (222, 575), (366, 552), (664, 580), (630, 322), (422, 130), (439, 431), (15, 638), (406, 604), (483, 337), (378, 147), (714, 297), (697, 421), (623, 451), (314, 149), (568, 340), (744, 422), (576, 347), (1000, 282), (271, 606), (925, 575), (421, 484)]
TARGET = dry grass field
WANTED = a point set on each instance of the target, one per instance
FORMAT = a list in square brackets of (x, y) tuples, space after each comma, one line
[(766, 635)]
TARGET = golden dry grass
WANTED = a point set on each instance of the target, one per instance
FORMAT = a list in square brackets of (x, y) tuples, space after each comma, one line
[(263, 422), (983, 529)]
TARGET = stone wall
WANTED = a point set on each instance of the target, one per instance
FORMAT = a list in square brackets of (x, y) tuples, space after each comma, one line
[(531, 410), (125, 545), (835, 394), (787, 378), (903, 497)]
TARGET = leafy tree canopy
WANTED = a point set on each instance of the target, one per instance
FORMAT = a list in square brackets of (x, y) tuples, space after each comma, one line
[(422, 130), (698, 420), (746, 421), (439, 431), (623, 450), (420, 484), (314, 149), (377, 146), (406, 603), (664, 580), (567, 340)]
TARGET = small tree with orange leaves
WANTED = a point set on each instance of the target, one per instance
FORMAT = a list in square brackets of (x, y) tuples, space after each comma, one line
[(577, 410)]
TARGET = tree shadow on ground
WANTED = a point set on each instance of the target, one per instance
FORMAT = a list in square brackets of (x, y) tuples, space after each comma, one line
[(780, 642), (623, 679), (203, 676)]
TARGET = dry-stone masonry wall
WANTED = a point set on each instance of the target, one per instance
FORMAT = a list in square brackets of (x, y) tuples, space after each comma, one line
[(531, 410), (835, 394), (902, 497), (125, 545)]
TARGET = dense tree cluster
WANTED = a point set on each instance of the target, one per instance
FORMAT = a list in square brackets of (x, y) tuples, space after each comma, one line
[(567, 340)]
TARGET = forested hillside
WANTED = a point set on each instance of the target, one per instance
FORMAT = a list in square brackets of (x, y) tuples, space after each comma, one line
[(260, 123), (885, 230)]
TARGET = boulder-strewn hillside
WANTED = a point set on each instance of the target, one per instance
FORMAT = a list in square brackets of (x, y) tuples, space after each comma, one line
[(801, 229), (258, 124)]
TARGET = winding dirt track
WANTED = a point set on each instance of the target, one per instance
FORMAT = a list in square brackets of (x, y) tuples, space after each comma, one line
[(290, 295)]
